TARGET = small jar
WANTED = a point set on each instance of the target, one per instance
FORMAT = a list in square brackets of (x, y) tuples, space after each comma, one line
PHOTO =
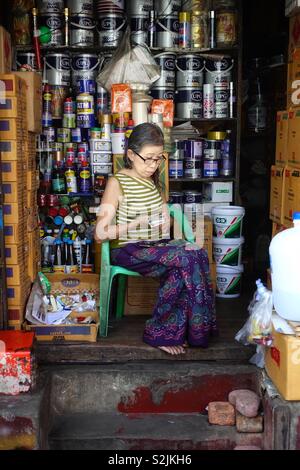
[(226, 26)]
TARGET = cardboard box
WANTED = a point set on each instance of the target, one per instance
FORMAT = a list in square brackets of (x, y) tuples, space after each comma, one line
[(73, 283), (282, 363), (15, 275), (13, 192), (14, 233), (15, 325), (218, 192), (12, 85), (32, 180), (17, 364), (294, 35), (12, 129), (34, 100), (12, 150), (16, 295), (291, 194), (293, 150), (282, 134), (14, 254), (13, 108), (5, 51), (13, 213), (277, 228), (16, 314), (14, 171), (276, 194)]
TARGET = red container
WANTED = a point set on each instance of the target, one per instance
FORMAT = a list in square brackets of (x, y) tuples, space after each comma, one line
[(52, 200)]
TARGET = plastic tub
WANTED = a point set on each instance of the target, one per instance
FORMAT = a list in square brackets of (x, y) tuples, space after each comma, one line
[(228, 221), (228, 281), (228, 251)]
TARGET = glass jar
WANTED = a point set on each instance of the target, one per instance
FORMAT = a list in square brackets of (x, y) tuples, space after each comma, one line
[(226, 27), (199, 29)]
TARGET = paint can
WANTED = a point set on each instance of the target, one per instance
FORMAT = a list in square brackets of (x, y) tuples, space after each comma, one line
[(139, 8), (175, 197), (85, 110), (167, 7), (139, 29), (175, 168), (82, 7), (162, 94), (212, 149), (208, 101), (192, 197), (26, 62), (63, 135), (76, 135), (59, 94), (211, 168), (178, 150), (167, 31), (166, 62), (58, 69), (218, 72), (55, 22), (189, 103), (84, 72), (221, 103), (189, 72), (82, 31), (226, 166), (109, 6), (193, 168), (111, 29), (50, 6), (49, 134), (193, 149)]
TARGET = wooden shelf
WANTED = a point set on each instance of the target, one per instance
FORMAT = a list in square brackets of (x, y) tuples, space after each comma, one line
[(203, 120), (202, 180)]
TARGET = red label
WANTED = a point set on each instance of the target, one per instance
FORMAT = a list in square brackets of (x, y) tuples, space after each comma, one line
[(275, 354)]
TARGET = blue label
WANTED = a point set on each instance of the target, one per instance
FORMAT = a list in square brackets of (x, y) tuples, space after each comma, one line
[(193, 63), (7, 188), (85, 62), (189, 96), (4, 125), (86, 86), (5, 146), (7, 252)]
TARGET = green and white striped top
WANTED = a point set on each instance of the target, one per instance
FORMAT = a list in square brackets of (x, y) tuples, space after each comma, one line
[(139, 197)]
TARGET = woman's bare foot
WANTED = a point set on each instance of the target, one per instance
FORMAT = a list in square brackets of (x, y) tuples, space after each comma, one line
[(173, 350)]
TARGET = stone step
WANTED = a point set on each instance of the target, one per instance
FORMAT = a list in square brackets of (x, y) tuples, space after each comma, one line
[(144, 431)]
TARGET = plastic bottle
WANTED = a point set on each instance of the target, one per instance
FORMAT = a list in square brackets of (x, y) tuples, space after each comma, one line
[(58, 264), (87, 265), (71, 179), (71, 262), (47, 106), (78, 251), (58, 179), (84, 178), (285, 269)]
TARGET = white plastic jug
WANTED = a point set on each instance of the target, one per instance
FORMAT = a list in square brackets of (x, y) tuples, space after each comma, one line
[(285, 268)]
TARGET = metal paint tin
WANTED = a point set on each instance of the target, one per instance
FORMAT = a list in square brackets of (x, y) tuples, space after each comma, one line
[(167, 7), (221, 103), (210, 168), (83, 7), (193, 149), (139, 8), (50, 6), (111, 29), (166, 61), (49, 134), (167, 31), (109, 6), (76, 135), (192, 197), (58, 69), (139, 29), (175, 168), (189, 72), (63, 135), (218, 72), (55, 23), (26, 61), (216, 135), (82, 31), (193, 168), (100, 145), (175, 197), (162, 93), (85, 110), (84, 72), (212, 149), (189, 103), (178, 150)]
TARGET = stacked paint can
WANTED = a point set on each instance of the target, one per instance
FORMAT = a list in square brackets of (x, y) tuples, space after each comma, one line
[(139, 13), (218, 89), (227, 249), (82, 24), (167, 25), (111, 22), (189, 83), (164, 87)]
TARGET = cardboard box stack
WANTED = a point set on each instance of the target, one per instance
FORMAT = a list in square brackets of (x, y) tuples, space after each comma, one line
[(20, 179)]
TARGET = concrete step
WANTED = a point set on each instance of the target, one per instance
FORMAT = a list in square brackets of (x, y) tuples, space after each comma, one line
[(145, 431)]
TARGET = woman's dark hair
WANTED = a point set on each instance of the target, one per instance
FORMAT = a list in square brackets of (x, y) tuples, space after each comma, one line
[(145, 134)]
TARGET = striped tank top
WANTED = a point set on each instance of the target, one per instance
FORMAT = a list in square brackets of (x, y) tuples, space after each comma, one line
[(139, 197)]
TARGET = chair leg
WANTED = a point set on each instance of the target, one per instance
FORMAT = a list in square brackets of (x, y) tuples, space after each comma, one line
[(105, 289), (121, 295)]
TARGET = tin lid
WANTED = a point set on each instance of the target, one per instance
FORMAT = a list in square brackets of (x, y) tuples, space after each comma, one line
[(216, 135)]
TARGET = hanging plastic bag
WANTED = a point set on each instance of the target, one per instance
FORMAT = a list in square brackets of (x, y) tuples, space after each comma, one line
[(129, 65), (258, 328)]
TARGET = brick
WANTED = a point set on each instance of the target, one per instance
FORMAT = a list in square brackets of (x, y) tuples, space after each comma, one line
[(221, 413), (244, 424), (246, 402), (247, 448)]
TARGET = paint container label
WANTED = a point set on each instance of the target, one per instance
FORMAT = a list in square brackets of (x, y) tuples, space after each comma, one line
[(63, 135), (212, 149), (166, 80), (225, 148), (192, 197), (69, 121), (167, 31), (189, 79), (111, 29), (193, 149), (50, 6), (139, 7), (228, 284), (49, 134), (82, 31), (85, 120), (81, 6), (211, 169), (193, 168), (175, 197), (58, 71), (175, 168), (208, 101), (167, 7), (161, 93), (76, 135), (221, 103), (139, 23), (189, 103)]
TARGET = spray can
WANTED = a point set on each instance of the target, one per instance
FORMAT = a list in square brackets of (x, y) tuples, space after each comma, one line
[(231, 100), (152, 29), (208, 101), (184, 30), (212, 33), (71, 179)]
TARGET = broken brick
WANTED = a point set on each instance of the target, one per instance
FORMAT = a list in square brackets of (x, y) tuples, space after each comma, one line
[(246, 402), (221, 413), (244, 424)]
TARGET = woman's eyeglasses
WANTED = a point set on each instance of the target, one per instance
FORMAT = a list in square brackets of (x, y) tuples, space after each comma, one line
[(149, 161)]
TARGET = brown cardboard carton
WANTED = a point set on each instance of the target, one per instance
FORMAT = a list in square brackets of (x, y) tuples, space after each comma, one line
[(291, 194), (13, 191), (12, 85), (282, 134), (276, 194), (277, 228), (12, 129), (12, 150), (34, 100), (293, 149), (14, 171), (14, 254), (294, 34), (13, 107), (5, 51)]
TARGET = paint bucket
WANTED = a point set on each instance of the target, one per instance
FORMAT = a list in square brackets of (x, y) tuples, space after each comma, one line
[(111, 29), (218, 72), (109, 6), (221, 103), (189, 103), (82, 7), (50, 6), (178, 152), (118, 143), (175, 197), (193, 168), (84, 72), (192, 197), (162, 94), (55, 22), (189, 72), (211, 168), (85, 110), (175, 168), (193, 149), (212, 149), (166, 62), (167, 7), (139, 8), (82, 31), (26, 62), (228, 251), (228, 221), (228, 281), (167, 31), (58, 69), (139, 29)]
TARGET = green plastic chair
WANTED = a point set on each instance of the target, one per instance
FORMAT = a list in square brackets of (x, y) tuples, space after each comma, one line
[(109, 271)]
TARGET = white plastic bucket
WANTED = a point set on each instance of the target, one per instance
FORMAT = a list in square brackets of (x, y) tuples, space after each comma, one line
[(228, 251), (118, 142), (228, 221), (228, 281)]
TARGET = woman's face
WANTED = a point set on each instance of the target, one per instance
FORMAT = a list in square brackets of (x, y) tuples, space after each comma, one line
[(147, 161)]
